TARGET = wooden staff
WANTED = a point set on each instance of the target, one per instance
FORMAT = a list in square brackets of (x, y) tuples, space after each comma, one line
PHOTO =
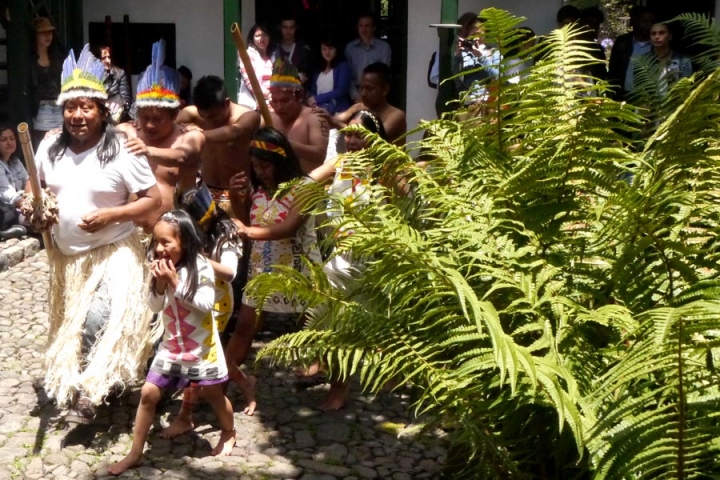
[(257, 91), (26, 144)]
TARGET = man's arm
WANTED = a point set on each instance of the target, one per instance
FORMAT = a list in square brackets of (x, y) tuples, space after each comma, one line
[(395, 127), (187, 115), (148, 200), (312, 155), (185, 154), (245, 126)]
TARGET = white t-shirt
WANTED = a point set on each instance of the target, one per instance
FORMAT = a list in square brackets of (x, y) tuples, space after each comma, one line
[(82, 186), (325, 82)]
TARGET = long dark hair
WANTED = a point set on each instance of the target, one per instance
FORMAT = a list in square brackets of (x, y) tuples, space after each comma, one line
[(339, 55), (191, 243), (286, 167), (251, 38), (371, 122), (219, 229), (108, 149)]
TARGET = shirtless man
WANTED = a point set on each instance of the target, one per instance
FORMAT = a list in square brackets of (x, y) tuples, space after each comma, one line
[(308, 133), (374, 89), (173, 156), (228, 128)]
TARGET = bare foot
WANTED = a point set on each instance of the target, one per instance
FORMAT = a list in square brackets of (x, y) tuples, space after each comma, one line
[(225, 444), (177, 427), (336, 397), (303, 372), (247, 385), (130, 461)]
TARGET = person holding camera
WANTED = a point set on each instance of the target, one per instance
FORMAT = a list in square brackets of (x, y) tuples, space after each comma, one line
[(478, 64)]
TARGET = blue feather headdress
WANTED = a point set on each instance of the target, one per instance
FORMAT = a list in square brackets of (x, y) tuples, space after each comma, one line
[(82, 77), (160, 84)]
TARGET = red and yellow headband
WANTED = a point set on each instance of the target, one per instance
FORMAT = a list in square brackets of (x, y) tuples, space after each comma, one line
[(268, 147)]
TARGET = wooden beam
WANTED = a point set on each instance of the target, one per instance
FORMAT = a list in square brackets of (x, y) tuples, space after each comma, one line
[(18, 55)]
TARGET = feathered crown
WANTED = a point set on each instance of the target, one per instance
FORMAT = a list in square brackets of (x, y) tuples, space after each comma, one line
[(160, 84), (285, 75), (82, 77), (199, 203)]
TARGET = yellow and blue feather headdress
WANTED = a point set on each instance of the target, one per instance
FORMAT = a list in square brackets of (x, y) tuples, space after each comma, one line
[(82, 77)]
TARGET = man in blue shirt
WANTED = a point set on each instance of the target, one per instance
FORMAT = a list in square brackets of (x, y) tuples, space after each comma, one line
[(365, 50), (630, 45)]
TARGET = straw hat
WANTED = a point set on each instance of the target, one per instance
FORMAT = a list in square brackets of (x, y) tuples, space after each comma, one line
[(42, 24)]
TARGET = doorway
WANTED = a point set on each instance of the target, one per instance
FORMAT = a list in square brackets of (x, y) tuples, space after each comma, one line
[(319, 18)]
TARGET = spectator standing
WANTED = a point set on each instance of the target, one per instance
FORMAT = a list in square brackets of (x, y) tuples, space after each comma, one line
[(364, 50), (520, 58), (297, 52), (567, 15), (673, 65), (591, 19), (478, 64), (330, 87), (12, 185), (117, 86), (45, 70), (185, 86), (628, 46), (259, 50)]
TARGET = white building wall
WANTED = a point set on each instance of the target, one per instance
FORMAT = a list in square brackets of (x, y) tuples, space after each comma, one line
[(422, 42), (198, 27), (540, 14)]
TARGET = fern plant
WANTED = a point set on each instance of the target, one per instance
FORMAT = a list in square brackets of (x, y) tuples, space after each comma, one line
[(548, 286)]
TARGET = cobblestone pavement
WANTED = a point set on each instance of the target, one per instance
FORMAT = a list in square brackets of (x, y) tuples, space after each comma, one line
[(287, 437)]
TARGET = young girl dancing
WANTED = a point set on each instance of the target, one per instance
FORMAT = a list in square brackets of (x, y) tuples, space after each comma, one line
[(183, 289), (280, 235), (223, 251), (346, 185)]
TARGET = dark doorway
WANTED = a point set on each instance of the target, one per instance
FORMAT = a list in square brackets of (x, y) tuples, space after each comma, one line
[(132, 42), (318, 18), (668, 9)]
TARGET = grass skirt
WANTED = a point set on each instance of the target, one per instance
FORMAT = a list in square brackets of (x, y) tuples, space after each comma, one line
[(124, 343)]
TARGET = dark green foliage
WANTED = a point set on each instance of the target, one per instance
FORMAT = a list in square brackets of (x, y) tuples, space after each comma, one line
[(550, 284)]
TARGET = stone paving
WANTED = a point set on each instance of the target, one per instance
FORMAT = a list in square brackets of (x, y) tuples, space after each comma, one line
[(288, 438)]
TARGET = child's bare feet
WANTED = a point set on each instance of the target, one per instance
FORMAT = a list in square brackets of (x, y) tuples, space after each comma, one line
[(336, 397), (225, 444), (303, 372), (247, 385), (177, 427), (132, 460)]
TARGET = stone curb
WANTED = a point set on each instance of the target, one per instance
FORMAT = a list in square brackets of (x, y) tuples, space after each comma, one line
[(16, 250)]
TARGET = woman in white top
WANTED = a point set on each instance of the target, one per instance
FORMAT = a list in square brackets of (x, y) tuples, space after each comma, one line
[(12, 185), (330, 87), (259, 52)]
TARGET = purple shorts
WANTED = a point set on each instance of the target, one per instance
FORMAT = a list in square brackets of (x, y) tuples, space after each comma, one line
[(178, 383)]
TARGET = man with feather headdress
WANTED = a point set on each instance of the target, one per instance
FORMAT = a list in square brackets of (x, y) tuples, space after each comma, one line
[(174, 155), (99, 334)]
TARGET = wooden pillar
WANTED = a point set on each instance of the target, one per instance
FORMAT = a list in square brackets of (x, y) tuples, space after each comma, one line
[(73, 20), (18, 57), (128, 55), (231, 14)]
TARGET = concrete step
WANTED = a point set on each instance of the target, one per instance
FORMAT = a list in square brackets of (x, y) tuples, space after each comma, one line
[(16, 250)]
